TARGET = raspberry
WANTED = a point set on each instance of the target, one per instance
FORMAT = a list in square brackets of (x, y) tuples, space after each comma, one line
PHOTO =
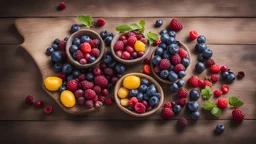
[(39, 103), (101, 22), (92, 43), (225, 89), (146, 69), (85, 47), (108, 72), (145, 103), (101, 81), (95, 52), (81, 77), (64, 56), (144, 40), (104, 92), (96, 42), (125, 43), (122, 38), (164, 64), (167, 105), (95, 99), (215, 68), (183, 53), (182, 93), (193, 81), (103, 65), (193, 35), (132, 101), (83, 61), (240, 74), (139, 36), (175, 25), (175, 59), (89, 94), (178, 68), (97, 89), (97, 71), (114, 80), (182, 102), (157, 42), (214, 78), (62, 45), (62, 6), (167, 113), (224, 68), (182, 122), (200, 83), (221, 103), (62, 76), (139, 107), (238, 115), (72, 85), (79, 55), (86, 84), (29, 100), (89, 104), (102, 99), (129, 34), (217, 93), (119, 45), (210, 62), (108, 101), (207, 83), (48, 109), (131, 40)]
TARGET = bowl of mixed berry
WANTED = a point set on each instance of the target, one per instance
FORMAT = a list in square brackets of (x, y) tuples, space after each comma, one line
[(170, 60), (138, 94), (130, 47), (85, 48)]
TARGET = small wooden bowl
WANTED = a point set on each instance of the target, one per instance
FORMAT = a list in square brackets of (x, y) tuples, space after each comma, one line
[(147, 113), (127, 62), (79, 34), (181, 45)]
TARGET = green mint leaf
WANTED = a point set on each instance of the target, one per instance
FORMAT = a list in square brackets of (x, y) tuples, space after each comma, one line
[(135, 26), (216, 111), (235, 102), (208, 105), (142, 23), (123, 28), (206, 92), (153, 36), (85, 20)]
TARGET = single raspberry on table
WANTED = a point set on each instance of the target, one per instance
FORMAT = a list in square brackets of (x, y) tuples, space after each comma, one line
[(79, 55), (175, 25), (193, 35), (214, 78), (48, 109), (193, 81), (101, 81), (146, 69), (62, 45), (108, 101), (119, 45), (182, 93), (238, 115), (131, 40), (225, 89), (164, 64), (178, 68), (86, 84), (72, 85), (217, 93), (182, 102), (240, 74), (215, 68), (175, 59), (222, 103), (182, 122), (224, 68), (210, 62), (89, 94), (183, 53), (39, 103), (167, 105), (101, 22), (167, 113)]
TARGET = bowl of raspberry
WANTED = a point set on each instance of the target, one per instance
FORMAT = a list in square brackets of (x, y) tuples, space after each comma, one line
[(138, 94), (170, 60), (130, 47), (85, 48)]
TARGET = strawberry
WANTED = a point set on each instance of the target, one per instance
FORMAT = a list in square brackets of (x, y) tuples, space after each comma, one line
[(146, 69), (217, 93), (182, 93), (108, 101), (182, 102), (238, 115), (222, 103), (210, 62), (86, 84), (183, 53), (101, 22), (215, 68), (95, 52), (72, 85), (164, 64), (89, 94), (178, 68), (207, 83), (101, 81), (175, 59), (79, 55), (193, 81), (214, 78), (167, 113), (131, 40), (119, 45), (175, 25), (225, 89), (167, 105)]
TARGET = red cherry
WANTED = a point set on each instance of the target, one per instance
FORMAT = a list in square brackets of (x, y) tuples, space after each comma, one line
[(126, 55), (224, 68), (193, 35), (122, 37), (129, 49), (62, 6), (39, 103), (29, 100), (140, 54), (104, 92), (48, 109), (134, 55)]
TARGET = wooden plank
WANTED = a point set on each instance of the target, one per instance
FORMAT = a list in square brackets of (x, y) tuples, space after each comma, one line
[(126, 132), (8, 31), (132, 8), (20, 76)]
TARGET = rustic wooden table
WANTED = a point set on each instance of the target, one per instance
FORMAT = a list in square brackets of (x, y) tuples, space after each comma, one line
[(229, 26)]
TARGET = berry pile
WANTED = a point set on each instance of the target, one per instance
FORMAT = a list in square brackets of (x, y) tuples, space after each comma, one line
[(138, 94), (227, 75), (130, 45), (169, 61), (107, 37)]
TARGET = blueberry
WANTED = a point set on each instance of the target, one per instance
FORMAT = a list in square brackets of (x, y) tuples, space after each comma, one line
[(158, 95), (76, 42), (181, 74), (92, 59), (200, 67), (158, 23), (74, 55), (181, 83), (176, 109), (172, 34), (73, 48), (173, 48), (185, 62), (143, 88), (151, 90), (194, 94), (144, 81), (153, 101), (120, 68), (225, 75), (171, 40), (171, 68), (192, 106), (159, 51), (67, 68), (111, 34), (62, 88), (69, 77), (108, 40), (55, 47), (172, 76), (201, 39), (163, 45), (49, 51), (104, 34), (85, 39), (57, 67), (130, 108), (112, 64), (200, 58), (164, 38), (56, 56), (56, 41), (108, 59), (134, 92), (174, 87), (74, 28), (200, 47), (195, 115), (119, 75), (231, 77), (163, 32), (166, 54), (220, 128), (66, 39), (207, 53), (76, 73), (90, 76), (145, 96), (156, 60), (140, 96), (164, 74)]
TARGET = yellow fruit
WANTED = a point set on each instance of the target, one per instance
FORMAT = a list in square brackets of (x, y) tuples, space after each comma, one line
[(122, 92), (124, 102), (67, 98), (139, 46), (53, 83), (131, 82)]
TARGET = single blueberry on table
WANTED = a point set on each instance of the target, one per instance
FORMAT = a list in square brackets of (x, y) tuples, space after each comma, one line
[(158, 23), (194, 94), (200, 67), (201, 39), (74, 28), (207, 53), (195, 115), (220, 128), (200, 47), (174, 87)]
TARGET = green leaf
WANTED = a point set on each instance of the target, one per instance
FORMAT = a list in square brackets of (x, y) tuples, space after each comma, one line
[(123, 28), (142, 24), (206, 92), (208, 105), (135, 26), (216, 111), (235, 102), (86, 20), (153, 36)]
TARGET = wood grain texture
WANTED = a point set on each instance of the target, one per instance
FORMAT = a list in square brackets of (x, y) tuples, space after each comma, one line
[(9, 32), (125, 132), (131, 8)]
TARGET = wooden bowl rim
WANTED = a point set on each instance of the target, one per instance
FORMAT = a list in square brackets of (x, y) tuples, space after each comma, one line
[(152, 80), (182, 45)]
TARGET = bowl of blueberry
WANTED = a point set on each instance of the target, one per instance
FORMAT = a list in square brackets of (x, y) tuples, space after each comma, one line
[(138, 94), (85, 48), (171, 59), (130, 47)]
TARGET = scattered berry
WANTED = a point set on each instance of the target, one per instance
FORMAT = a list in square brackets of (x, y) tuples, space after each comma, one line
[(175, 25), (238, 115), (167, 105), (182, 102), (183, 53), (72, 85), (158, 23), (147, 60), (101, 81), (182, 122), (210, 62), (240, 74), (146, 69), (207, 83), (108, 101), (39, 103), (217, 93), (101, 22), (225, 89), (214, 78), (62, 6), (193, 35), (224, 68), (222, 103), (157, 42), (220, 128), (193, 81), (29, 100), (215, 68), (167, 113), (48, 109), (89, 94), (182, 93)]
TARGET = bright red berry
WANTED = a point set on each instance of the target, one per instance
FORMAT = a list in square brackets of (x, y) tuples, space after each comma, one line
[(193, 35), (183, 53), (97, 71), (175, 25), (178, 68), (122, 38), (175, 59), (157, 42), (217, 93), (182, 102), (224, 68), (182, 93), (79, 55), (132, 101), (62, 6), (215, 68), (39, 103), (85, 47), (200, 83), (48, 109), (207, 83), (167, 113), (29, 100), (214, 78), (119, 45), (62, 45), (72, 85), (238, 115), (146, 69), (193, 81), (131, 40), (139, 107), (167, 105), (222, 103), (225, 89), (95, 52), (101, 22)]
